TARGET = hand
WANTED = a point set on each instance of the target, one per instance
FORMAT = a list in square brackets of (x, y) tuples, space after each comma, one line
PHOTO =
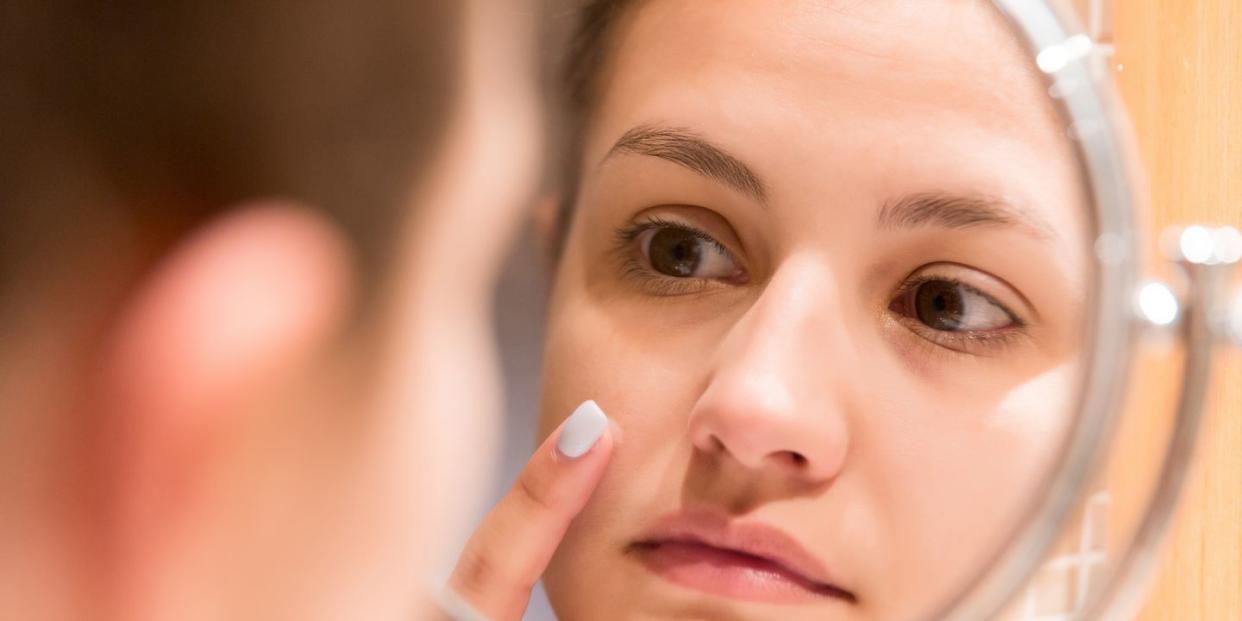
[(511, 548)]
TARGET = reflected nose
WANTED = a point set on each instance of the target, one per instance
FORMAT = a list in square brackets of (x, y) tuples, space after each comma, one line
[(771, 403)]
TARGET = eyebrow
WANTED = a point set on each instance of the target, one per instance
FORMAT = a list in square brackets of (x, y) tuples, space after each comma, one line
[(685, 148), (958, 211), (935, 209)]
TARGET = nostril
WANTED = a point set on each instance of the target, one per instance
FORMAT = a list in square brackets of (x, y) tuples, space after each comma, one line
[(797, 460)]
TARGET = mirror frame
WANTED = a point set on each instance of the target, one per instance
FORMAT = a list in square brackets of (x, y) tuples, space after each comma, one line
[(1082, 92), (1080, 85)]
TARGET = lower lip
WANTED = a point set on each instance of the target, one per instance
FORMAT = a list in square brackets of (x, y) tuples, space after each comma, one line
[(729, 573)]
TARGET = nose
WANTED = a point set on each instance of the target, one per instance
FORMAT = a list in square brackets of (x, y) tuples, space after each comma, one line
[(771, 403)]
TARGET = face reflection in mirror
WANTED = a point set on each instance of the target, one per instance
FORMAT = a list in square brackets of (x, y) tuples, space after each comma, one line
[(826, 271)]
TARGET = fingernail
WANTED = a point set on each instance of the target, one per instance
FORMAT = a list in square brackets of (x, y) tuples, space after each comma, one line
[(582, 430)]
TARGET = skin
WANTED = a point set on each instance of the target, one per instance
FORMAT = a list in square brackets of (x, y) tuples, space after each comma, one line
[(789, 392), (221, 433)]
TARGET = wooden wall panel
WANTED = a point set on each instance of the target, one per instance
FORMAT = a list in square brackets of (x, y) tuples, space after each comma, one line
[(1179, 68)]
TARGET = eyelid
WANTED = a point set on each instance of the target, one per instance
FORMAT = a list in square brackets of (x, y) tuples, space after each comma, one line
[(967, 343), (634, 231), (646, 276), (911, 285), (981, 282), (647, 221), (703, 223), (963, 342), (704, 219)]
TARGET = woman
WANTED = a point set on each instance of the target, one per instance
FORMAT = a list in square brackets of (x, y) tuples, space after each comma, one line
[(823, 267)]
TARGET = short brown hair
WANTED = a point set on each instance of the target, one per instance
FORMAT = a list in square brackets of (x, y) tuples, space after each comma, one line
[(585, 60), (158, 112)]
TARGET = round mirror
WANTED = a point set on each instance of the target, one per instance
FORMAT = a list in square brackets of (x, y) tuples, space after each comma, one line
[(857, 286), (827, 309)]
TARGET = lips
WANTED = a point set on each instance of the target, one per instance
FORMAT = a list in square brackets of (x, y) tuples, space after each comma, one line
[(709, 552)]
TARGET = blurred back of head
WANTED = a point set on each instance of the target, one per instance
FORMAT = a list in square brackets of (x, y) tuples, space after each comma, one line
[(192, 195), (140, 119)]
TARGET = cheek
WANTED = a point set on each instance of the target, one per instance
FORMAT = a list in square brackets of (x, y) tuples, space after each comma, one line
[(587, 357), (644, 360), (646, 383), (645, 377), (959, 479)]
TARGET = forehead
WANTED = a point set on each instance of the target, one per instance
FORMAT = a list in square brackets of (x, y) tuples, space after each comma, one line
[(887, 94), (929, 56)]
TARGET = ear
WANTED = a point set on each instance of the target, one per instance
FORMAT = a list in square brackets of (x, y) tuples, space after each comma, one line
[(242, 302)]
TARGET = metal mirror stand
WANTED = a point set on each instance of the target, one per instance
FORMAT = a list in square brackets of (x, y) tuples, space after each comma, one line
[(1203, 314)]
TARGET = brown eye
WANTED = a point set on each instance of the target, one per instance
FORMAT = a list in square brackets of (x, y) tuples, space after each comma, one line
[(685, 253), (939, 305), (950, 306), (675, 252)]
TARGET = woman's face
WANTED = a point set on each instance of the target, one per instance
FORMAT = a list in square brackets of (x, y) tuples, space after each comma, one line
[(826, 272)]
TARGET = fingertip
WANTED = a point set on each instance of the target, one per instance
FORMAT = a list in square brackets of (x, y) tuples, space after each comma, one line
[(614, 432), (582, 430)]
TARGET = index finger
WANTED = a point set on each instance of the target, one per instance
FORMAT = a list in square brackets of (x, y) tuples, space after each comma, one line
[(511, 548)]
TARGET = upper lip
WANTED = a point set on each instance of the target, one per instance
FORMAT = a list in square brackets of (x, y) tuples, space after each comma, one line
[(752, 538)]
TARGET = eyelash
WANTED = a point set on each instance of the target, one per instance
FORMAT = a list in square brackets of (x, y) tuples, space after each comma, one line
[(989, 342), (963, 342), (650, 281)]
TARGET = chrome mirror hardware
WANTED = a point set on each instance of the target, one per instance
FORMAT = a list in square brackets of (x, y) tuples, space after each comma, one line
[(1208, 257), (1200, 318), (1192, 309), (1234, 319)]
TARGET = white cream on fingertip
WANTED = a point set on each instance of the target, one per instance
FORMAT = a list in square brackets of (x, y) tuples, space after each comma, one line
[(582, 430)]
